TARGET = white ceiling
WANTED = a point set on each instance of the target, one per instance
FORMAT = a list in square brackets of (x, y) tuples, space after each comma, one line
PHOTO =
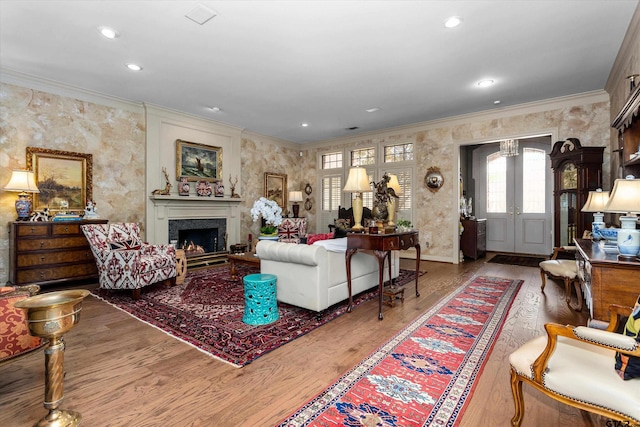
[(272, 65)]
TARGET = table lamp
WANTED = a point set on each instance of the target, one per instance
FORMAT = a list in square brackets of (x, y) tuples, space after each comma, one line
[(596, 202), (23, 181), (295, 197), (392, 204), (625, 198), (357, 182)]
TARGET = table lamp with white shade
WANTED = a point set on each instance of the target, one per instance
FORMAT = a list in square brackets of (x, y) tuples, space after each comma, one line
[(596, 202), (357, 182), (625, 198), (295, 197), (392, 205), (23, 181)]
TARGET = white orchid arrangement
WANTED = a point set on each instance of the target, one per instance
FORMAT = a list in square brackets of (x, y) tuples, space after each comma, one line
[(270, 212)]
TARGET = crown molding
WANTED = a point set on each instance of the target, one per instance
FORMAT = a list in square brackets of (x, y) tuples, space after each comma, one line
[(17, 78), (482, 116)]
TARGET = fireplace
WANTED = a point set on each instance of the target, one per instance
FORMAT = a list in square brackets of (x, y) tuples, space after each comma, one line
[(199, 236)]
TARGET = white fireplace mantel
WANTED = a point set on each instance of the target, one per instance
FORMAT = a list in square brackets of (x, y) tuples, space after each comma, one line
[(170, 207)]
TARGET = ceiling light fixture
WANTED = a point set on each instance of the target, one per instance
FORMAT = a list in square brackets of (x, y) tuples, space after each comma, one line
[(201, 14), (509, 148), (134, 67), (215, 109), (304, 125), (497, 101), (485, 83), (453, 22), (372, 110), (109, 33)]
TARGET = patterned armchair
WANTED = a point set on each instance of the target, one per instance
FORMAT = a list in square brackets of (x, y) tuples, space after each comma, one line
[(124, 261), (292, 230)]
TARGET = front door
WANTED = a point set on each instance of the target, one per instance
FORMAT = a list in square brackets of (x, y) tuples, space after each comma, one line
[(514, 195)]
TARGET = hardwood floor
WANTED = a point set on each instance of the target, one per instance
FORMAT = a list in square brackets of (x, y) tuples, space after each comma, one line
[(122, 372)]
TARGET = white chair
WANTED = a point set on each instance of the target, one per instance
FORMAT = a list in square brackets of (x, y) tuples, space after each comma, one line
[(575, 366)]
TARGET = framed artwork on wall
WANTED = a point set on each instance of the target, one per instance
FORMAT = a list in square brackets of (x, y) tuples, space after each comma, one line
[(198, 161), (64, 178), (275, 188)]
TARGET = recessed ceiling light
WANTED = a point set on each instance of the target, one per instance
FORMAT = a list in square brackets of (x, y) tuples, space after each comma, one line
[(372, 110), (134, 67), (109, 33), (215, 109), (453, 22), (485, 83), (304, 125), (497, 101)]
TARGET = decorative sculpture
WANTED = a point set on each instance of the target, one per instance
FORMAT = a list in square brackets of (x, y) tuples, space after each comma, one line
[(382, 195), (234, 195), (167, 188)]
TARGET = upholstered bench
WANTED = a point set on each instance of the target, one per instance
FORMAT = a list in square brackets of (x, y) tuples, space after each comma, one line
[(565, 270)]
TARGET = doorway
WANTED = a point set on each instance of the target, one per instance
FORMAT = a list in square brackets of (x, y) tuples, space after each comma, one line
[(514, 194)]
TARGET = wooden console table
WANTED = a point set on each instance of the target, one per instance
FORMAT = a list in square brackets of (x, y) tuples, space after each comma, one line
[(381, 245), (605, 280)]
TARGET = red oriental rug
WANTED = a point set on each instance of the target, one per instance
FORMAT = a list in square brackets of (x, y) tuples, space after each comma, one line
[(423, 375), (206, 311)]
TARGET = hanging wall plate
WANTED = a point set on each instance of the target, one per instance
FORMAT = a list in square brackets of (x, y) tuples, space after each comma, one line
[(433, 179), (307, 189), (307, 204)]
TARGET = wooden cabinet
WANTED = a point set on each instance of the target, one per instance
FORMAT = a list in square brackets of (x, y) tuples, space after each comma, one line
[(576, 171), (473, 241), (605, 280), (627, 122), (46, 253)]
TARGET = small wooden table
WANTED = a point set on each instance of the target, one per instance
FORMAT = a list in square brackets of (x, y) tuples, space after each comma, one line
[(381, 245), (246, 259)]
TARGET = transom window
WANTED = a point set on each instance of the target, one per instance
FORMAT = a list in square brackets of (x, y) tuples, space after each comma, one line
[(332, 161), (365, 156), (398, 153)]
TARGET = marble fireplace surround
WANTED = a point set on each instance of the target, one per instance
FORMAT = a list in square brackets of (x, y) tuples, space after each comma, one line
[(166, 208)]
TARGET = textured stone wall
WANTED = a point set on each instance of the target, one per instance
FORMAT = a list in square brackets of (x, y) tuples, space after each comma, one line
[(260, 155), (115, 137)]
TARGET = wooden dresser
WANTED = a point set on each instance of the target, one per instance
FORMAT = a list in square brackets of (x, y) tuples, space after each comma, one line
[(46, 253), (605, 280), (473, 241)]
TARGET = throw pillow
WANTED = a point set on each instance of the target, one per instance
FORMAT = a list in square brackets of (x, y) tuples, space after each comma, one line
[(315, 237), (340, 232), (342, 223), (128, 245), (628, 367)]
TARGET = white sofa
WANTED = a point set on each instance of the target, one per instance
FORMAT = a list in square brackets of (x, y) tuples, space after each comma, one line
[(315, 276)]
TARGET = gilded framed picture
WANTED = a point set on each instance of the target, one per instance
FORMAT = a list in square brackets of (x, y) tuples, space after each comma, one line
[(275, 188), (64, 179), (198, 162)]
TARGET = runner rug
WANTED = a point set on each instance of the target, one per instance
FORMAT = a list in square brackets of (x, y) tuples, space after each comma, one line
[(206, 311), (423, 375)]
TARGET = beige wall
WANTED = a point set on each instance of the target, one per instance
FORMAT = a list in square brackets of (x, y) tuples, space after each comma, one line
[(115, 137)]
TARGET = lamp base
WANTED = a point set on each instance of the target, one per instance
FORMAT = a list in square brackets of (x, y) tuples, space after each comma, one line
[(296, 210), (628, 237)]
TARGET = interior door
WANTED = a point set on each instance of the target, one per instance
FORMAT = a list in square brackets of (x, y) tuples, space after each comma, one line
[(514, 195)]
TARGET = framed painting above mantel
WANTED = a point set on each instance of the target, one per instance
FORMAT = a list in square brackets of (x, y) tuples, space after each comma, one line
[(64, 178), (198, 162)]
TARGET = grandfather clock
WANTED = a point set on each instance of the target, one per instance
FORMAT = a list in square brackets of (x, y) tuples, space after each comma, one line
[(576, 171)]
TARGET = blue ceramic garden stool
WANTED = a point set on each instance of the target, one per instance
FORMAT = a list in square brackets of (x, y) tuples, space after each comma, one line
[(260, 304)]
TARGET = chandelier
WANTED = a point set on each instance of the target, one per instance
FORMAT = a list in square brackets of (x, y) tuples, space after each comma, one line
[(509, 147)]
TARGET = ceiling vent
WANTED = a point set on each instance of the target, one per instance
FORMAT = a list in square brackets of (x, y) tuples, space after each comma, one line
[(200, 14), (352, 128)]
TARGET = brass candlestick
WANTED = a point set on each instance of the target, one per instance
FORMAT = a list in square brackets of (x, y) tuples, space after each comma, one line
[(49, 316)]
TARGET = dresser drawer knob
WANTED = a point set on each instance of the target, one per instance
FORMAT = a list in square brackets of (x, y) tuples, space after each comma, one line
[(42, 274), (392, 244), (42, 244), (42, 258), (66, 229)]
